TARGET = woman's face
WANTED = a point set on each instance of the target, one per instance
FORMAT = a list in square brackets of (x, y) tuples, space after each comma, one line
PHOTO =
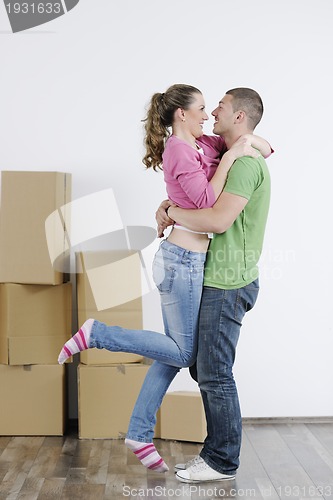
[(195, 116)]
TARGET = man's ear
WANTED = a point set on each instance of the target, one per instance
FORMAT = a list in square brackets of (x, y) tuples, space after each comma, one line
[(240, 116)]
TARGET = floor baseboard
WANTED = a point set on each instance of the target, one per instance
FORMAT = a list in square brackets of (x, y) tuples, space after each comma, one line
[(287, 420)]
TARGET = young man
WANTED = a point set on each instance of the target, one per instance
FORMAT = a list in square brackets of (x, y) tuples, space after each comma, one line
[(238, 220)]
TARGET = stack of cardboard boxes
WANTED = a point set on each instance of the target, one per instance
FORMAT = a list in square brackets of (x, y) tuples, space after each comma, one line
[(35, 305), (109, 290), (36, 320)]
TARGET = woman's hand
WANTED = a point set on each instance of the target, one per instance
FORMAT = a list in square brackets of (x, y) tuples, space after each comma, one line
[(242, 147), (257, 142), (162, 218)]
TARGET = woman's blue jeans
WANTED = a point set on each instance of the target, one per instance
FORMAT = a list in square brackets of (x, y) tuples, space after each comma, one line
[(221, 316), (178, 275)]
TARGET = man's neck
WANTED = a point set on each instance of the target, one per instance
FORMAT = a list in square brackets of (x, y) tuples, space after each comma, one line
[(231, 137)]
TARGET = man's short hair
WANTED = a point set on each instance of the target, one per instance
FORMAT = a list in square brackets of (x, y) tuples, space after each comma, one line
[(250, 102)]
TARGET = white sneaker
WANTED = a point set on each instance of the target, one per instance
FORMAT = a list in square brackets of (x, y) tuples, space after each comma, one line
[(188, 464), (201, 472)]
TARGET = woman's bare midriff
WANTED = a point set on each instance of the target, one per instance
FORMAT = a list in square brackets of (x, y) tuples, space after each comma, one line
[(190, 241)]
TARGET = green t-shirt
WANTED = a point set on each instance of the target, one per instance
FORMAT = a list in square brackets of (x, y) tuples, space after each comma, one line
[(232, 256)]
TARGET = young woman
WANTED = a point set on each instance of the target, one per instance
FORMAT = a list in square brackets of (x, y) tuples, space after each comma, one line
[(195, 175)]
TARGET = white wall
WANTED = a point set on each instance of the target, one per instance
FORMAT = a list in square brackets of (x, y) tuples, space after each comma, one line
[(72, 94)]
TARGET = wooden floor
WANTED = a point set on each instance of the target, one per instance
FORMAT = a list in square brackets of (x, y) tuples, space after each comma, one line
[(289, 461)]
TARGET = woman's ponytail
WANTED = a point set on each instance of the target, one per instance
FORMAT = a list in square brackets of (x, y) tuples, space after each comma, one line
[(156, 133)]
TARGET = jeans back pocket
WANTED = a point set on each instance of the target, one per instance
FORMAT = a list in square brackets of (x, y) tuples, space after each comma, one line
[(163, 276)]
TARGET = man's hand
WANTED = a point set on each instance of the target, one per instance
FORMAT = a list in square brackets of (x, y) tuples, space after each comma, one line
[(162, 218)]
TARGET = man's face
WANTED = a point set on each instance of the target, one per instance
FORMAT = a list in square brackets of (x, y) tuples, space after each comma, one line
[(224, 116)]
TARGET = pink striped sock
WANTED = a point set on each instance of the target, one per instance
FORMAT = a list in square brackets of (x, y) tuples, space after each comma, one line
[(148, 455), (79, 342)]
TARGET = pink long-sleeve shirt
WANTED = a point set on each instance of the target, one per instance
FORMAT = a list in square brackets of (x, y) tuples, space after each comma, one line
[(187, 171)]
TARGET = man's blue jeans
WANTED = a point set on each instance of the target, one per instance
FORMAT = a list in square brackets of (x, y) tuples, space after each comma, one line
[(221, 316), (178, 274)]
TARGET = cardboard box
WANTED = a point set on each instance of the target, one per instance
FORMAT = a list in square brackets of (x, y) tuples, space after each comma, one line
[(107, 395), (27, 199), (183, 417), (112, 283), (35, 322), (32, 400)]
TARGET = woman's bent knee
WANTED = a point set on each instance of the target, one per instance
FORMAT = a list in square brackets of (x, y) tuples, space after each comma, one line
[(188, 360)]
